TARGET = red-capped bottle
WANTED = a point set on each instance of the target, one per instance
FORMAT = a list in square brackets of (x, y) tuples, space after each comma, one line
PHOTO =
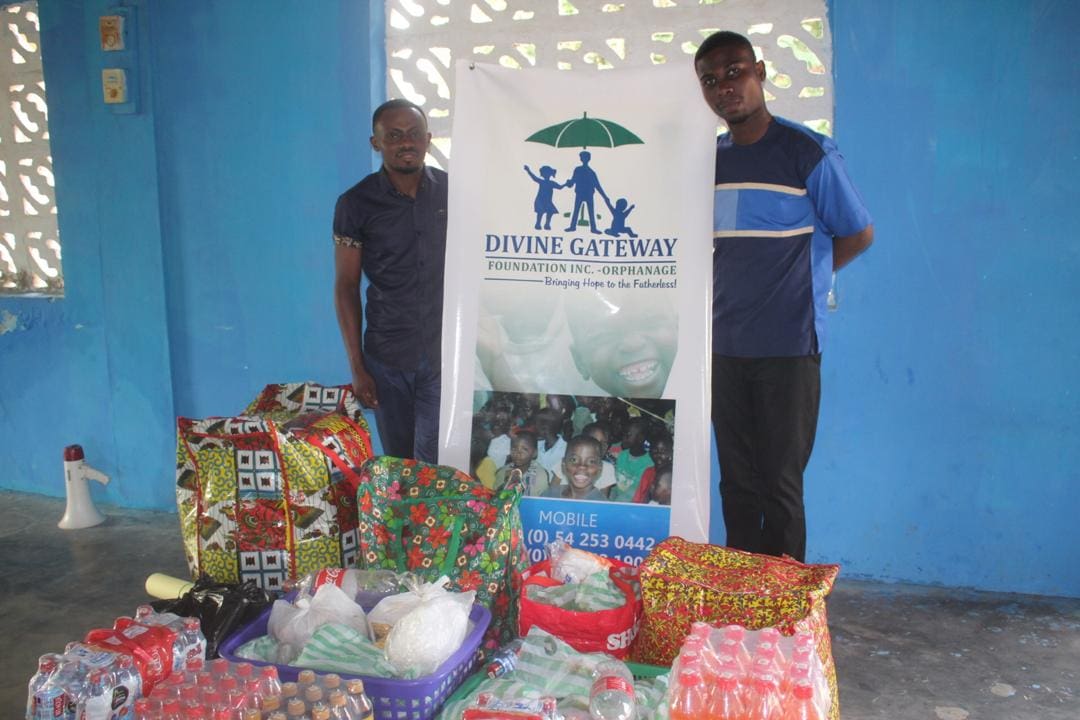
[(727, 702), (763, 700), (801, 705), (690, 698)]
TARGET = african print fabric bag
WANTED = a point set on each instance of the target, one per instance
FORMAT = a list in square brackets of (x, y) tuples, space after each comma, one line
[(270, 495), (683, 582), (434, 520)]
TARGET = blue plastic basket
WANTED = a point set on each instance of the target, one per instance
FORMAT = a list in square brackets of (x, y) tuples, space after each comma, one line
[(394, 699)]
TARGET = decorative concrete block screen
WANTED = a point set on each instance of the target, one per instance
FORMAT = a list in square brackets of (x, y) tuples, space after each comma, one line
[(29, 241), (425, 37)]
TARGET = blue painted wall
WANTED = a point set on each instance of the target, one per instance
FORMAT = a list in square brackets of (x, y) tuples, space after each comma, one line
[(948, 448), (94, 367), (198, 266), (196, 233)]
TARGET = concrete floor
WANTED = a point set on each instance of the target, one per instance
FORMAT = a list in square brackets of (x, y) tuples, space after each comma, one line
[(902, 651)]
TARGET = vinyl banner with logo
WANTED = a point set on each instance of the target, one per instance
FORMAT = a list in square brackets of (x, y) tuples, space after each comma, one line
[(577, 313)]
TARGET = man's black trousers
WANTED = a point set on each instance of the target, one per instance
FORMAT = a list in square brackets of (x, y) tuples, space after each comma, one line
[(765, 413)]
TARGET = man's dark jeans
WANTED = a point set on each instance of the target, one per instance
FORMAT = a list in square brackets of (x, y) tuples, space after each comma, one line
[(408, 412), (765, 413)]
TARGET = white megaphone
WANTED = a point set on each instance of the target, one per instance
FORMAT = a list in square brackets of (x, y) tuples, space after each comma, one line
[(80, 512)]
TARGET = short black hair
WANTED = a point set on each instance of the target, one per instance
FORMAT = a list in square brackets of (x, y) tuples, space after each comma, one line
[(395, 104), (659, 435), (582, 441), (528, 436), (598, 425), (722, 39)]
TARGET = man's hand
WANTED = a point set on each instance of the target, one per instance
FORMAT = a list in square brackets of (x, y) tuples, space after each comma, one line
[(363, 386), (845, 249)]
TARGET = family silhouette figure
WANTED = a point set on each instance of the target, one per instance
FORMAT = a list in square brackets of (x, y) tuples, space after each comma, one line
[(586, 184)]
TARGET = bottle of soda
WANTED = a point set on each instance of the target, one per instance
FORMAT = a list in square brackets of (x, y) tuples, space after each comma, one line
[(801, 706), (144, 709), (612, 694), (772, 635), (357, 700), (270, 703), (737, 634), (767, 658), (763, 699), (269, 682), (170, 710), (289, 690), (690, 698), (313, 695), (295, 708), (244, 671), (339, 709), (727, 701)]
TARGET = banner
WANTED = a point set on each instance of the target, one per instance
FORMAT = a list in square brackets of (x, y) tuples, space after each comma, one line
[(578, 296)]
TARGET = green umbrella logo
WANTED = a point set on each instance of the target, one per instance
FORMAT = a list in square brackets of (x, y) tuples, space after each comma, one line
[(584, 132)]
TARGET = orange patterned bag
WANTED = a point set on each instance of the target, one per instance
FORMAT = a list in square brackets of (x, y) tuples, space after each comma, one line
[(683, 582)]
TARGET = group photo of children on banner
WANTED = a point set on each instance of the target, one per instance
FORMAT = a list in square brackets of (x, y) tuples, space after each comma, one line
[(572, 447)]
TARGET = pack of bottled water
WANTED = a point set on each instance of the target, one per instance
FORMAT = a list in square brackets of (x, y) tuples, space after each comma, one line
[(101, 677)]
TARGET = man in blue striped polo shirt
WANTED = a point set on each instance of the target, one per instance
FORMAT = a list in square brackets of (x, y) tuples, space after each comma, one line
[(786, 216)]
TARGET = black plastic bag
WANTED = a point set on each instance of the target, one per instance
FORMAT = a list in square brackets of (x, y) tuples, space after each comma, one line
[(222, 608)]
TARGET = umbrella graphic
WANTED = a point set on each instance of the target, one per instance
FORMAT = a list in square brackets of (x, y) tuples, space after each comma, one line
[(585, 132)]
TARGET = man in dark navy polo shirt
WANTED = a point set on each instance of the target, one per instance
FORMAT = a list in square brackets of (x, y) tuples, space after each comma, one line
[(391, 226), (786, 216)]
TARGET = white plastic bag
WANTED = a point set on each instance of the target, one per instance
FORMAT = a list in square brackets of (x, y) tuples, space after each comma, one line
[(427, 625), (293, 625), (570, 565), (390, 609)]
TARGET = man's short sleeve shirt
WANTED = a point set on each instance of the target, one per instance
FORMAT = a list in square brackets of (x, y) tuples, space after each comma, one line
[(778, 204), (403, 241)]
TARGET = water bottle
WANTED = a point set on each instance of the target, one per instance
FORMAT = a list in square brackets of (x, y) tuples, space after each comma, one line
[(44, 699), (612, 694), (504, 660), (127, 685), (192, 642), (71, 679), (97, 704)]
